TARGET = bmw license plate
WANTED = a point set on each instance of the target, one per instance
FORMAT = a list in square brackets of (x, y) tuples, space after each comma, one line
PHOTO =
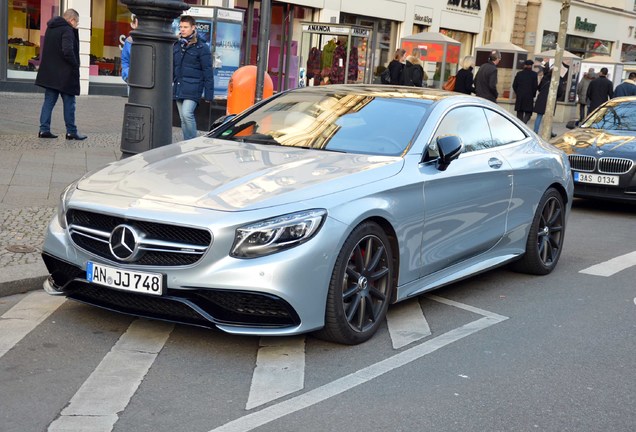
[(139, 282), (596, 179)]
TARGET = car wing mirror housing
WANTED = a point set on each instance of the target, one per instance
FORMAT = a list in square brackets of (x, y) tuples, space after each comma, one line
[(221, 121), (449, 148)]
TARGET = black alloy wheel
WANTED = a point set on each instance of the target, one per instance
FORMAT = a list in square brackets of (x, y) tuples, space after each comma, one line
[(545, 240), (361, 287)]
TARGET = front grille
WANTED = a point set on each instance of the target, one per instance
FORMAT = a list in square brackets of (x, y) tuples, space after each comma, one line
[(160, 244), (62, 272), (608, 165), (582, 163)]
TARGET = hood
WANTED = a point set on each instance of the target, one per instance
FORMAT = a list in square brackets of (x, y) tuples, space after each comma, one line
[(232, 176), (593, 141), (414, 60), (57, 21)]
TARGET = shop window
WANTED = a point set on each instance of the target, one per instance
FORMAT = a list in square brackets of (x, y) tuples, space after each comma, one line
[(26, 26)]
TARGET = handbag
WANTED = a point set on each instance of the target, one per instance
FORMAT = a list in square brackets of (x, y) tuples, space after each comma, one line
[(450, 83), (385, 76)]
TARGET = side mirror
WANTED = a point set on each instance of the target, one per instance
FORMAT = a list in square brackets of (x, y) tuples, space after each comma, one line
[(572, 124), (221, 120), (449, 148)]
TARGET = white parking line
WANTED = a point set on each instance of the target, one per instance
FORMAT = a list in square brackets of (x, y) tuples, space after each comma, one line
[(108, 390), (279, 371), (334, 388), (613, 266), (18, 321), (407, 323)]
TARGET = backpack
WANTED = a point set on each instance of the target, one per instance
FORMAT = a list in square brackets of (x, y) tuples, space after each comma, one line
[(385, 76)]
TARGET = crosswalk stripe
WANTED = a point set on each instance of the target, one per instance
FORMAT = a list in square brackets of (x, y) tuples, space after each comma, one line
[(334, 388), (613, 266), (108, 390), (407, 323), (24, 316), (279, 371)]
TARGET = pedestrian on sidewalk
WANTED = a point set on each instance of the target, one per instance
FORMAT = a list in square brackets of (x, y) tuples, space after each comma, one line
[(628, 87), (413, 74), (486, 78), (581, 92), (525, 86), (464, 82), (540, 104), (193, 75), (600, 90), (125, 51), (59, 72)]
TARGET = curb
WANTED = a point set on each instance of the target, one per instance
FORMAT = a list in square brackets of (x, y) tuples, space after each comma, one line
[(22, 278)]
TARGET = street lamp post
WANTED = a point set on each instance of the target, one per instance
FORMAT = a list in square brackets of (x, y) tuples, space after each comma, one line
[(147, 119)]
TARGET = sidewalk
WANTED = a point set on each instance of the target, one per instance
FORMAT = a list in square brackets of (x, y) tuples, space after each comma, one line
[(33, 173)]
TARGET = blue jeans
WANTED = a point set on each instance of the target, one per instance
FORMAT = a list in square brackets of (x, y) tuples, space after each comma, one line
[(50, 99), (186, 109), (537, 123)]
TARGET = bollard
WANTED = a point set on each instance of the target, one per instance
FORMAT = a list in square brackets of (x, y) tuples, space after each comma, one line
[(147, 119)]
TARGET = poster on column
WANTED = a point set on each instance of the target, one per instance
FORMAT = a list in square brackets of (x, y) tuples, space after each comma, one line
[(227, 55)]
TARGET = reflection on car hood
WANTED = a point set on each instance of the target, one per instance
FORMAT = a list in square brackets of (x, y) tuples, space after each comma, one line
[(225, 175), (588, 141)]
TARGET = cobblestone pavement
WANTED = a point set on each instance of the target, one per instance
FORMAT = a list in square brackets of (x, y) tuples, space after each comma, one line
[(34, 171)]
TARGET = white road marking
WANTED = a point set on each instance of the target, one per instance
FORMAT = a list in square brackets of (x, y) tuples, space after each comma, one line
[(334, 388), (279, 371), (108, 390), (24, 316), (406, 323), (613, 266)]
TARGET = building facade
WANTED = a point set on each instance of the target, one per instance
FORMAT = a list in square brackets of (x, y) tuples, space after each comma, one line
[(606, 27)]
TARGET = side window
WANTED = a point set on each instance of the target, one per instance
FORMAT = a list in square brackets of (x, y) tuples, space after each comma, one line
[(503, 130), (468, 123)]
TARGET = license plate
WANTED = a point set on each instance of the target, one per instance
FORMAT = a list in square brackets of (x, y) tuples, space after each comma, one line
[(596, 179), (139, 282)]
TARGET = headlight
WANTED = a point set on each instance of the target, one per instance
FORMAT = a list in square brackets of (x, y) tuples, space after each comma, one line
[(65, 197), (277, 234)]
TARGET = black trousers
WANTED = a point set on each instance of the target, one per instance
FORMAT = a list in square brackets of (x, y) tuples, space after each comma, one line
[(524, 116)]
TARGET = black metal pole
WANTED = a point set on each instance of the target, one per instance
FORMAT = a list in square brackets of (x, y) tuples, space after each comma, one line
[(148, 114), (263, 49)]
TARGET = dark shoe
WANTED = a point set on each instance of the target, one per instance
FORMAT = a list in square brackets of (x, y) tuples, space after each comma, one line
[(552, 135), (46, 135), (75, 136)]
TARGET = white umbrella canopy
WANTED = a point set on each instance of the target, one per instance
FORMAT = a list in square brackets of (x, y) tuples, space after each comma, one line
[(552, 53)]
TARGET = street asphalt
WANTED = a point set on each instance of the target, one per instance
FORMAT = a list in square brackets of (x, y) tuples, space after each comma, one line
[(34, 171)]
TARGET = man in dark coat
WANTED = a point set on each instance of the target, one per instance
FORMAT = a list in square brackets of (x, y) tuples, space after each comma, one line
[(525, 86), (59, 72), (600, 90), (193, 75), (486, 78)]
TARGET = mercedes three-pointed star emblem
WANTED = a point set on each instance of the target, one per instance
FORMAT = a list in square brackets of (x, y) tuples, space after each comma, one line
[(124, 243)]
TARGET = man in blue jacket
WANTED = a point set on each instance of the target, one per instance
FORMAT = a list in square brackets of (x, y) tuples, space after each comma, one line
[(192, 75)]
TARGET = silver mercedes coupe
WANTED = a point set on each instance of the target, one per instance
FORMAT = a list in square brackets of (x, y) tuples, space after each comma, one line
[(313, 211)]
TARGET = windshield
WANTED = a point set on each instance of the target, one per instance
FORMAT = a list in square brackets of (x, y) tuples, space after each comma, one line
[(614, 117), (366, 123)]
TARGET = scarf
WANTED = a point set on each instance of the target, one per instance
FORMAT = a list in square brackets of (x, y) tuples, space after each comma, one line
[(184, 42)]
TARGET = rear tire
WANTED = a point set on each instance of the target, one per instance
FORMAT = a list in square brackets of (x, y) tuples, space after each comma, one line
[(545, 239), (360, 288)]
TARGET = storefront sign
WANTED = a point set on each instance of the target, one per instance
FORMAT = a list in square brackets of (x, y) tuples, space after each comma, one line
[(423, 16), (472, 7), (584, 25), (334, 29)]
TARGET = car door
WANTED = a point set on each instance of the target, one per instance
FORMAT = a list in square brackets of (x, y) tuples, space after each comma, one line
[(465, 206)]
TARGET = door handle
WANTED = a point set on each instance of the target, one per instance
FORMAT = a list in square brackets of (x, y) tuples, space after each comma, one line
[(495, 163)]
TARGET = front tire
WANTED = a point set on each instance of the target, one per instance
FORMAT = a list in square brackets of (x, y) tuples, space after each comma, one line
[(545, 240), (360, 288)]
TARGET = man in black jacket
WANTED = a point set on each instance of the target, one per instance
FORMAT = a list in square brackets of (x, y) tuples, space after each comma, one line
[(525, 86), (486, 79), (600, 90), (59, 72)]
